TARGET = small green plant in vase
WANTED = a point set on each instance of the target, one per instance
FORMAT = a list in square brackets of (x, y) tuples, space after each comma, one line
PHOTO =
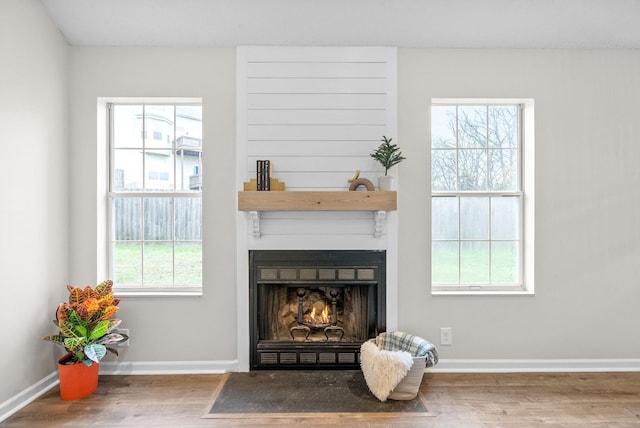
[(388, 154)]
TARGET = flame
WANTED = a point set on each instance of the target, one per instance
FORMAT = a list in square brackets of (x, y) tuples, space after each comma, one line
[(320, 318)]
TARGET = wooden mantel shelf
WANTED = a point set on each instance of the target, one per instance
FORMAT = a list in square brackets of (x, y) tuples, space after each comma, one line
[(318, 201), (379, 202)]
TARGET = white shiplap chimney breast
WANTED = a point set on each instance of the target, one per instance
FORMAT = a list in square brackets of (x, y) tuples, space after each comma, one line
[(316, 113)]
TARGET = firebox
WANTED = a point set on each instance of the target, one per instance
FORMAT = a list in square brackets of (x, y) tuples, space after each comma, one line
[(312, 309)]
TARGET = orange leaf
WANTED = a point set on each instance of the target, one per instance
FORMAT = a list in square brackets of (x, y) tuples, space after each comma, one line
[(75, 295), (109, 311), (62, 314), (89, 292), (91, 304), (104, 287)]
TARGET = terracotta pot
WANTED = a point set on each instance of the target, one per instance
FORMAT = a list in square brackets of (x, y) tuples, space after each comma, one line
[(77, 380)]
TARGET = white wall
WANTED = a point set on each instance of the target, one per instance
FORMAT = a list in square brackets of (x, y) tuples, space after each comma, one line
[(587, 208), (587, 204), (34, 208), (161, 329)]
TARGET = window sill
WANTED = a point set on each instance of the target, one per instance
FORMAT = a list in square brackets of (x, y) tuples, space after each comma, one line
[(157, 293), (480, 292)]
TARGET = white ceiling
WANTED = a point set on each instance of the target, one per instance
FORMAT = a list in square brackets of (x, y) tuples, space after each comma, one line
[(405, 23)]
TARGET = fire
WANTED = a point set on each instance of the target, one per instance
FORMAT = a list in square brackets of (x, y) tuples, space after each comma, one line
[(322, 316), (319, 317)]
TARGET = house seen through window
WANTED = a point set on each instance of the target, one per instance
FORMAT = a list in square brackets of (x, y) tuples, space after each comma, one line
[(155, 200)]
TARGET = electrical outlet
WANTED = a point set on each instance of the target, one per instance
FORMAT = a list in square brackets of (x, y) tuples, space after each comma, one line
[(123, 331), (446, 336)]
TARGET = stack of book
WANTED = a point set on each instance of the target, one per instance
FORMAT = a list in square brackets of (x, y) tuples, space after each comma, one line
[(263, 175)]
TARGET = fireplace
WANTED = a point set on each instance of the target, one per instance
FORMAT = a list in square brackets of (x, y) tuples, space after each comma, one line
[(313, 309)]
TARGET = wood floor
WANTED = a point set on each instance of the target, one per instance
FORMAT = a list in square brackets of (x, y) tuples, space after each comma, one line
[(454, 400)]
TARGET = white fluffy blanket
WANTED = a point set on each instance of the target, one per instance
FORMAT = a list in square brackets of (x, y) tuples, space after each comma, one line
[(383, 370)]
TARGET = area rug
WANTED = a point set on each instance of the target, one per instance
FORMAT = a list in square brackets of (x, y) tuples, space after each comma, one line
[(281, 393)]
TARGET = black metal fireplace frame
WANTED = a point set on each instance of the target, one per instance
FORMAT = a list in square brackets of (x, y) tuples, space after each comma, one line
[(315, 355)]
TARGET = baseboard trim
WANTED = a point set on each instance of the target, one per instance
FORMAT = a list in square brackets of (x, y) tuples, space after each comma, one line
[(167, 367), (536, 365), (20, 400)]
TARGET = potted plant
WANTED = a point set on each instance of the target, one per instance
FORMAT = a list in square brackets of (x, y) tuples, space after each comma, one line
[(86, 328), (388, 154)]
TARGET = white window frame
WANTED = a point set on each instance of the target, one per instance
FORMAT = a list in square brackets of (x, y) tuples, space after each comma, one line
[(141, 290), (526, 191)]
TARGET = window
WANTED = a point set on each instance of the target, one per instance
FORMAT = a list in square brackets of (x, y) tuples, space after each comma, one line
[(478, 210), (155, 223)]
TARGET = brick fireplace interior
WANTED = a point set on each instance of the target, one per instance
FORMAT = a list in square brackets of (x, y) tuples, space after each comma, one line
[(312, 309)]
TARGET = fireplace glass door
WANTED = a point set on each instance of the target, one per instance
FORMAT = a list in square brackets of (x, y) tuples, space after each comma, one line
[(314, 313), (314, 308)]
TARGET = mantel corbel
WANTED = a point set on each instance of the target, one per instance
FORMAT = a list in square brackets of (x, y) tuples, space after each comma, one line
[(379, 218), (254, 218)]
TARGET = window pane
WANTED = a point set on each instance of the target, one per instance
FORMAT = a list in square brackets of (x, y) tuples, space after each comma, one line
[(159, 166), (473, 169), (158, 122), (188, 167), (127, 126), (127, 165), (188, 219), (474, 262), (443, 126), (188, 147), (472, 126), (504, 169), (127, 219), (504, 262), (474, 218), (127, 263), (444, 262), (157, 219), (505, 218), (503, 126), (443, 170), (189, 126), (188, 263), (158, 263), (444, 214)]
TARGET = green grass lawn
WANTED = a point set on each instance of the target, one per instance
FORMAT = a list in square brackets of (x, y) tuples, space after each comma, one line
[(158, 264), (476, 267)]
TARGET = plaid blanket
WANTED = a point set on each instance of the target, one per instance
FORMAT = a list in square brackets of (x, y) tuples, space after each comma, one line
[(416, 346)]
